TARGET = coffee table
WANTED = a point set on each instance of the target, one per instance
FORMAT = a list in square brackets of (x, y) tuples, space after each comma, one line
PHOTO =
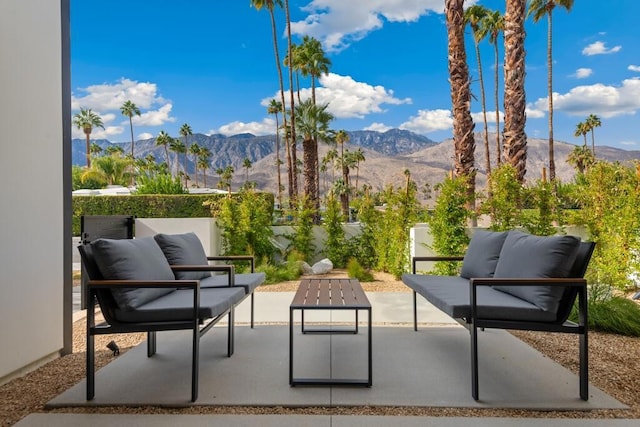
[(330, 294)]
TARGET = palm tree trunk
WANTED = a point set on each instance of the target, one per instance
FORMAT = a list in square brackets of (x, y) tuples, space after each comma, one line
[(463, 139), (131, 127), (515, 139), (294, 191), (497, 100), (88, 143), (279, 192), (552, 162), (484, 111)]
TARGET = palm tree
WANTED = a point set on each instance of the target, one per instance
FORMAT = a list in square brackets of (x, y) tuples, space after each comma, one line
[(87, 120), (581, 158), (129, 109), (114, 149), (194, 150), (539, 9), (493, 24), (274, 108), (163, 139), (270, 5), (313, 124), (246, 164), (342, 137), (473, 16), (185, 131), (515, 138), (463, 140), (177, 147), (95, 149), (358, 156), (593, 122), (204, 158), (294, 57), (114, 169), (293, 192), (312, 62), (582, 129)]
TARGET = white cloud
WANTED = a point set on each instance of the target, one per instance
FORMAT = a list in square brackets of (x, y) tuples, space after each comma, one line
[(348, 98), (630, 143), (634, 68), (603, 100), (599, 48), (491, 117), (145, 135), (429, 121), (338, 23), (582, 73), (155, 117), (266, 127), (534, 113), (378, 127)]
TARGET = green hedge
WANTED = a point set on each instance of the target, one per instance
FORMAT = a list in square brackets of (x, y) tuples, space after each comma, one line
[(146, 206)]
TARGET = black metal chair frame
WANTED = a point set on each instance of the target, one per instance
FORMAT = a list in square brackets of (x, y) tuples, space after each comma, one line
[(579, 285)]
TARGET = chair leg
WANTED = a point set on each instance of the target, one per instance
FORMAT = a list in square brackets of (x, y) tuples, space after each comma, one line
[(584, 366), (474, 361), (230, 338), (252, 294), (415, 311), (151, 343), (91, 388), (195, 357)]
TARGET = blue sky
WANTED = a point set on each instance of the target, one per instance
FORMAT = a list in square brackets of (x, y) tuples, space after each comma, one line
[(211, 64)]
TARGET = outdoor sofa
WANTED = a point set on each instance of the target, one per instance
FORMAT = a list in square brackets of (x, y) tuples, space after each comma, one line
[(512, 280), (160, 283)]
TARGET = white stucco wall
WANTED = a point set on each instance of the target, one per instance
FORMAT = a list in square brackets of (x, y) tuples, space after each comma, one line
[(31, 183)]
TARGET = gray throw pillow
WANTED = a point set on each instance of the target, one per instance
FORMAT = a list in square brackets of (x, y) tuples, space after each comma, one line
[(184, 249), (527, 256), (132, 259), (482, 255)]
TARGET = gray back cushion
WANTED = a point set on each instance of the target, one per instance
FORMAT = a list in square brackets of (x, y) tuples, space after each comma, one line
[(482, 255), (184, 249), (527, 256), (132, 259)]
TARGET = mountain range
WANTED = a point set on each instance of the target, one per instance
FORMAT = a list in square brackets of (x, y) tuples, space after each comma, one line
[(388, 154)]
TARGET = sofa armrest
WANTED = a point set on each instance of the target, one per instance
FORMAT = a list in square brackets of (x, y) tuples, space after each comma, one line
[(250, 258), (228, 269), (416, 259)]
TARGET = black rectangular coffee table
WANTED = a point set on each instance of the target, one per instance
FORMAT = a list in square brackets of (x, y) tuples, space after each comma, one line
[(329, 294)]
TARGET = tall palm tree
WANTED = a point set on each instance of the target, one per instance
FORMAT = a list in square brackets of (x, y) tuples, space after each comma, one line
[(114, 169), (294, 57), (581, 158), (463, 140), (204, 158), (515, 139), (593, 122), (194, 150), (293, 192), (270, 5), (95, 149), (246, 164), (582, 129), (313, 124), (342, 137), (163, 139), (274, 108), (177, 147), (493, 24), (86, 120), (358, 156), (185, 132), (129, 109), (538, 9), (473, 16), (312, 62)]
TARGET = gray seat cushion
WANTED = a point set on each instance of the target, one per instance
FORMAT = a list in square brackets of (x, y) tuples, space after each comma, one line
[(183, 249), (178, 306), (527, 256), (451, 295), (132, 259), (482, 255), (248, 281)]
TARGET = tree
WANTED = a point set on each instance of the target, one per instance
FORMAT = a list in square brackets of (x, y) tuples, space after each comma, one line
[(463, 140), (313, 124), (204, 158), (95, 149), (539, 9), (582, 129), (114, 149), (593, 122), (274, 108), (270, 5), (312, 62), (474, 16), (581, 158), (358, 156), (86, 120), (129, 109), (114, 169), (177, 147), (194, 150), (342, 137), (185, 131), (163, 139), (493, 24), (246, 164), (515, 139), (293, 192)]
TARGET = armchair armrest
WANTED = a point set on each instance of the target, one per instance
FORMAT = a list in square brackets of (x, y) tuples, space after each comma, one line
[(416, 259), (250, 258), (228, 269)]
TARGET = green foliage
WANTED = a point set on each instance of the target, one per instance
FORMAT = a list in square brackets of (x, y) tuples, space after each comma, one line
[(447, 223), (610, 211), (245, 222), (362, 246), (504, 205), (336, 244), (614, 314), (356, 271), (162, 183), (89, 183), (391, 232), (302, 237), (540, 219), (290, 270)]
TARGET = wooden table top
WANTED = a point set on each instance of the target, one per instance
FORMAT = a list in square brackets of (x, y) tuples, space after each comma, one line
[(334, 293)]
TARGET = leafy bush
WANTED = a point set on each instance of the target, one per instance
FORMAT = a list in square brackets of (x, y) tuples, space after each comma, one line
[(302, 237), (162, 183), (336, 243), (356, 271), (90, 183), (504, 206), (615, 314), (290, 270)]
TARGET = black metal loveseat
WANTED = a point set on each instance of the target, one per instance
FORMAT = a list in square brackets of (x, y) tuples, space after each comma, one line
[(512, 280), (138, 290)]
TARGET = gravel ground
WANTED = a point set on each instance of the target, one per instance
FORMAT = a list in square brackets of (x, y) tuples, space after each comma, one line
[(614, 367)]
